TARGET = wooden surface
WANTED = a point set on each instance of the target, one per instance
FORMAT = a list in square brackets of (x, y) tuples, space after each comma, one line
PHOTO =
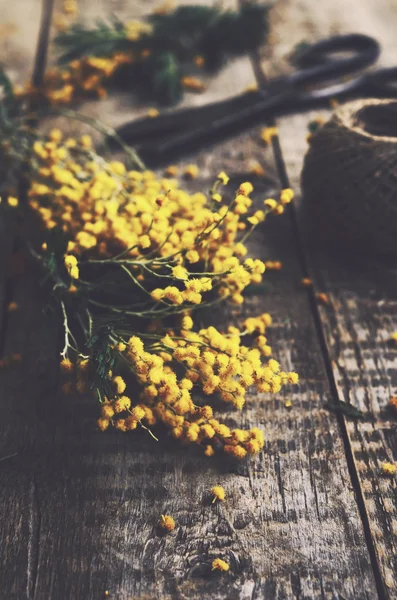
[(310, 517)]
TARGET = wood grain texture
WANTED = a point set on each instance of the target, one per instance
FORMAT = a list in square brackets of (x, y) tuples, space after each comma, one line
[(361, 314), (358, 323), (88, 503), (79, 509)]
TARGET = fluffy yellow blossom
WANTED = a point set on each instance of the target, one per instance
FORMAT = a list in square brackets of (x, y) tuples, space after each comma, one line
[(144, 241), (388, 468), (86, 240), (107, 411), (103, 424), (193, 84), (172, 170), (394, 336), (66, 365), (187, 322), (134, 30), (180, 272), (270, 203), (138, 413), (61, 23), (71, 266), (246, 188), (86, 141), (267, 134), (191, 171), (192, 256), (152, 112), (121, 425), (55, 135), (122, 403), (286, 196), (167, 522), (223, 178), (12, 201), (70, 7), (220, 565), (235, 451), (120, 384), (218, 493), (117, 167), (306, 282), (256, 218), (209, 451), (157, 294), (273, 265)]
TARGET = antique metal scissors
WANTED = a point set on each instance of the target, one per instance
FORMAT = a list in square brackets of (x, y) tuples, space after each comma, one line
[(329, 62)]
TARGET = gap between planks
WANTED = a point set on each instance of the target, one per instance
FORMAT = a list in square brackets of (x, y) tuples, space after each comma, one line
[(347, 323)]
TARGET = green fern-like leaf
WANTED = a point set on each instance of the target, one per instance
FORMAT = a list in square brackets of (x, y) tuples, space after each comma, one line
[(177, 38)]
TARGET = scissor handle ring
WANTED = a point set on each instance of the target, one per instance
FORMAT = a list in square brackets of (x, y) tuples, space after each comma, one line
[(383, 82), (319, 63)]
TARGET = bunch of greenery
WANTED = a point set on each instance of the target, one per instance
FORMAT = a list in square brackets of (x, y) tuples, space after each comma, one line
[(157, 57)]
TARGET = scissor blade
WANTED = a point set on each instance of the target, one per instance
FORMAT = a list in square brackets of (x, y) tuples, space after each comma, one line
[(150, 129), (228, 125)]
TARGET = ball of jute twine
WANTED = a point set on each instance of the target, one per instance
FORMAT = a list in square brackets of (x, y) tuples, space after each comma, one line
[(349, 177)]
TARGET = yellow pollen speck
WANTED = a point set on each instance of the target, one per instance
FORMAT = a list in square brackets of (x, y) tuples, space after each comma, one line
[(167, 523), (322, 298), (388, 468), (220, 565), (12, 201), (218, 492)]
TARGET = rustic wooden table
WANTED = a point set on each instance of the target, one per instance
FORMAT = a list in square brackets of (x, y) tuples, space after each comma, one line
[(311, 516)]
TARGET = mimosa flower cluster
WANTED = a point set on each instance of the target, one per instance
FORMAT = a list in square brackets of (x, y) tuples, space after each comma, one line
[(132, 257), (158, 57)]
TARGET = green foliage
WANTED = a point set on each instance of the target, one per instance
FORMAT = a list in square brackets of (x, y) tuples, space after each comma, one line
[(338, 406), (103, 40), (104, 359), (6, 85), (57, 242), (163, 78), (297, 51), (177, 38), (8, 104), (256, 289)]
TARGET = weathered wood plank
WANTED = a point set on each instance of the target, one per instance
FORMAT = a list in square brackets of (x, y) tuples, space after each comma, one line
[(19, 28), (290, 528), (358, 323), (361, 314), (80, 508)]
